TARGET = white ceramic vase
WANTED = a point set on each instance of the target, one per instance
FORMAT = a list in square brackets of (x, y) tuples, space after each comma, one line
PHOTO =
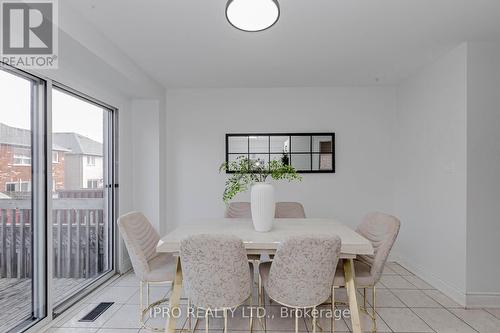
[(262, 203)]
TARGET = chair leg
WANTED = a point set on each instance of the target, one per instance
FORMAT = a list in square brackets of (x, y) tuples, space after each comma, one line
[(206, 321), (141, 306), (251, 312), (263, 304), (333, 310), (189, 314), (259, 290), (296, 320), (225, 320), (374, 313), (314, 319), (364, 298)]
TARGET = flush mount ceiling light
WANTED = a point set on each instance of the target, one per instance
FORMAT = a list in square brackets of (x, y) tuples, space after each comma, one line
[(252, 15)]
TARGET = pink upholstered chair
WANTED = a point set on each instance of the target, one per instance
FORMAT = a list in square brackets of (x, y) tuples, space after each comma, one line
[(302, 273), (382, 230), (242, 210), (149, 266), (289, 210), (238, 210), (216, 273)]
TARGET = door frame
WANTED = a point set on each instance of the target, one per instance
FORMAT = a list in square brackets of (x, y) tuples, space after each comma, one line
[(110, 159), (41, 122), (39, 108)]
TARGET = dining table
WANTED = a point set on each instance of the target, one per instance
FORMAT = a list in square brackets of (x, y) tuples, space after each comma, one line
[(353, 245)]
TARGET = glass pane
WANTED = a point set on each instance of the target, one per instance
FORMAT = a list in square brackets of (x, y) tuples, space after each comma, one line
[(234, 157), (301, 144), (238, 144), (280, 144), (322, 144), (262, 159), (322, 161), (301, 162), (259, 144), (284, 158), (16, 267), (80, 217)]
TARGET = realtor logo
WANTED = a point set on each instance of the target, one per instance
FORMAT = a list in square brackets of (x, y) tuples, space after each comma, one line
[(29, 33)]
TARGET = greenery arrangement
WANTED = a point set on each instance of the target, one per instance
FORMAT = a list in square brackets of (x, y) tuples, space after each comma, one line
[(250, 171)]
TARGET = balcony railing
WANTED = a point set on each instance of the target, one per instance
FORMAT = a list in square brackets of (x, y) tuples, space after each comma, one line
[(79, 238)]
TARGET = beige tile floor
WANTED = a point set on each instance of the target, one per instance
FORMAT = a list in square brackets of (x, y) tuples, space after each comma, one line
[(406, 303)]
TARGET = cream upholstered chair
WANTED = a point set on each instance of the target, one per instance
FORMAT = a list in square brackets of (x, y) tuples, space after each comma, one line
[(216, 272), (283, 210), (301, 275), (289, 210), (241, 210), (238, 210), (149, 266), (382, 230)]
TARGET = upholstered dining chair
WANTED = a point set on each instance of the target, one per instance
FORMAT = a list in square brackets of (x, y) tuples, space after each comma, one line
[(301, 275), (282, 210), (382, 230), (238, 210), (289, 210), (149, 266), (217, 274), (242, 210)]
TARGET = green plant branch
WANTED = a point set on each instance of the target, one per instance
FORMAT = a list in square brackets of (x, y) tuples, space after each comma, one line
[(246, 172)]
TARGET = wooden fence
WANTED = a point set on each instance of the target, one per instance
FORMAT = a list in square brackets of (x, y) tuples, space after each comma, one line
[(79, 238)]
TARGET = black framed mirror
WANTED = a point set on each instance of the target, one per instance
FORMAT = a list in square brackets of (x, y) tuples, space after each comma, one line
[(306, 152)]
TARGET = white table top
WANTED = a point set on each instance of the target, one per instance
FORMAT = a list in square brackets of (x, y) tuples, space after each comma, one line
[(352, 243)]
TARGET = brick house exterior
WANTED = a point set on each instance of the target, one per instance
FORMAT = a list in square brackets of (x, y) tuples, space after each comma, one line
[(15, 161)]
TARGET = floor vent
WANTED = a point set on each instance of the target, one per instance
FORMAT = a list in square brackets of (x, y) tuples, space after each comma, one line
[(96, 312)]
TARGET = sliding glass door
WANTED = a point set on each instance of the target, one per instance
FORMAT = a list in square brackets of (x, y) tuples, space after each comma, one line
[(22, 200), (57, 195), (82, 192)]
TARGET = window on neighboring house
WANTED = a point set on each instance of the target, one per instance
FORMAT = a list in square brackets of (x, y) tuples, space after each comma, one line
[(10, 187), (22, 156), (18, 186), (93, 183), (90, 160), (55, 157)]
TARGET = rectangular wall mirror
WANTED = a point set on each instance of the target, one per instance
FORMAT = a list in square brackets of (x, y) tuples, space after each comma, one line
[(306, 152)]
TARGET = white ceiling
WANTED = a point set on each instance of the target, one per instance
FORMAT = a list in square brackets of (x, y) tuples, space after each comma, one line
[(188, 43)]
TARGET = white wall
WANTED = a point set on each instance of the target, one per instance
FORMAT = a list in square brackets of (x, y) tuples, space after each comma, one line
[(145, 149), (483, 177), (361, 117), (430, 196), (92, 64), (427, 151)]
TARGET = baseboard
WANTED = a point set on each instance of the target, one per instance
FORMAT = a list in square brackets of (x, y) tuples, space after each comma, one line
[(450, 291), (483, 300)]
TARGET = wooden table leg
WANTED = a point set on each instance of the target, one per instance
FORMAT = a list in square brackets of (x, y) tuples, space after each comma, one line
[(351, 294), (175, 297)]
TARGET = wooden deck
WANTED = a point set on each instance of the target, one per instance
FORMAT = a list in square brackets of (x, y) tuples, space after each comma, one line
[(15, 298)]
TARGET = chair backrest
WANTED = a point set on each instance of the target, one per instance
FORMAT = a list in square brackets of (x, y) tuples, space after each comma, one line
[(243, 210), (303, 270), (238, 210), (289, 210), (381, 230), (216, 271), (140, 239)]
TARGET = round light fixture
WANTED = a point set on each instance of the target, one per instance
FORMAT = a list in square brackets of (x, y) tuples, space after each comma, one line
[(252, 15)]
